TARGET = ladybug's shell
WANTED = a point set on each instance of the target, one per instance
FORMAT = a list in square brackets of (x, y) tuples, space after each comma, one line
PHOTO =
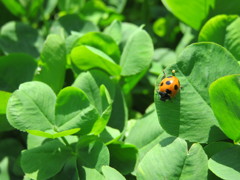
[(169, 85)]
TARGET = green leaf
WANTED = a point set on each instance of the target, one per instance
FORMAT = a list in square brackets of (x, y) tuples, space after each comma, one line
[(4, 125), (19, 37), (10, 149), (34, 110), (232, 38), (101, 123), (129, 82), (101, 42), (223, 29), (4, 96), (190, 12), (171, 159), (33, 9), (224, 96), (49, 7), (225, 164), (196, 70), (194, 13), (100, 97), (44, 161), (162, 58), (93, 155), (188, 37), (4, 164), (215, 147), (55, 135), (34, 141), (224, 7), (110, 135), (14, 7), (51, 68), (86, 57), (94, 11), (137, 53), (32, 107), (111, 173), (90, 83), (73, 110), (128, 29), (65, 25), (70, 6), (16, 69), (119, 115), (70, 41), (215, 29), (89, 173), (148, 137), (123, 157), (69, 170), (114, 30)]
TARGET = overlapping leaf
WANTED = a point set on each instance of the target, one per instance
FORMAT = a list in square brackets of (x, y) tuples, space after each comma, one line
[(171, 159), (32, 107), (189, 114), (225, 96), (223, 29)]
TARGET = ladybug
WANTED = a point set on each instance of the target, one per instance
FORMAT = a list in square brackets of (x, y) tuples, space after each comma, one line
[(168, 87)]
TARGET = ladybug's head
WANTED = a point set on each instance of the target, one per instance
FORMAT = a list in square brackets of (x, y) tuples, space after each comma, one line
[(164, 96)]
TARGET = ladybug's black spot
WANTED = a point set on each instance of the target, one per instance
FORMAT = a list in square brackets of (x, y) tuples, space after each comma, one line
[(161, 84), (168, 91), (176, 87), (169, 82)]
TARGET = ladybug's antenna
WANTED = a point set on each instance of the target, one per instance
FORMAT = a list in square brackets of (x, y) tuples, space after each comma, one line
[(164, 75)]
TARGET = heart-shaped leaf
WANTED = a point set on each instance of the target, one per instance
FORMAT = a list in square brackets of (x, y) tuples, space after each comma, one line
[(225, 96), (100, 90), (74, 110), (223, 29), (171, 159), (32, 107), (189, 115)]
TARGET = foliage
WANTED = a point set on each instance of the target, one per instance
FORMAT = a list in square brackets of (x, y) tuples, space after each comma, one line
[(79, 81)]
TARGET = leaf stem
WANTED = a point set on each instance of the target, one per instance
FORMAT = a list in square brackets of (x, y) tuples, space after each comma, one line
[(65, 141)]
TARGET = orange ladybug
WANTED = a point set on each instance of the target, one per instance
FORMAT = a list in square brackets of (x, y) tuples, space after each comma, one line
[(168, 87)]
